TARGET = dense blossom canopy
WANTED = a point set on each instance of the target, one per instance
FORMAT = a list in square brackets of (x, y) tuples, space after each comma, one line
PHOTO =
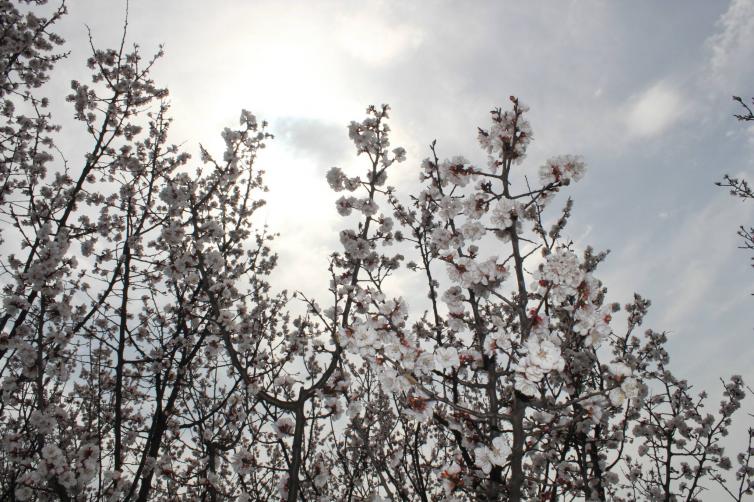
[(144, 354)]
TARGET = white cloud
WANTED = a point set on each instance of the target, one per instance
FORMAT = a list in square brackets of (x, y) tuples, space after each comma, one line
[(750, 135), (374, 40), (654, 111), (696, 263), (732, 47)]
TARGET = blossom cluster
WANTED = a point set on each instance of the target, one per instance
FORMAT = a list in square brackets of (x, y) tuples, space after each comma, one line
[(510, 133), (563, 170)]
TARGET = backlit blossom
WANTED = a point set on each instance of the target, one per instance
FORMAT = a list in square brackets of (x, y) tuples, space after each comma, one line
[(446, 358), (562, 169), (497, 455)]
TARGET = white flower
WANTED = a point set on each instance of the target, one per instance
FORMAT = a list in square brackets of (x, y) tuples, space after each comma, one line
[(88, 457), (498, 341), (544, 354), (509, 135), (470, 273), (367, 206), (442, 238), (472, 230), (475, 206), (593, 324), (533, 372), (424, 363), (335, 178), (617, 396), (284, 426), (213, 346), (386, 224), (344, 205), (562, 169), (500, 450), (450, 477), (400, 154), (497, 455), (620, 371), (586, 318), (631, 388), (450, 207), (248, 119), (454, 298), (502, 214), (351, 184), (456, 171), (482, 457), (560, 274), (594, 407), (446, 358), (42, 422), (354, 245), (419, 408), (525, 386)]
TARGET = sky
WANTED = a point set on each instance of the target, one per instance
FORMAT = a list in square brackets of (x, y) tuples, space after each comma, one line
[(641, 89)]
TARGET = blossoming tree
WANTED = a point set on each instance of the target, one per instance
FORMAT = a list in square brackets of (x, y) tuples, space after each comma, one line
[(144, 355), (512, 384)]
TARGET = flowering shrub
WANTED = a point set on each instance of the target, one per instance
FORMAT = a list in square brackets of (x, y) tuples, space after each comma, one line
[(144, 355)]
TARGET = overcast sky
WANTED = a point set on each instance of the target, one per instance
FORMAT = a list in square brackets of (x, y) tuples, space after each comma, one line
[(641, 89)]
